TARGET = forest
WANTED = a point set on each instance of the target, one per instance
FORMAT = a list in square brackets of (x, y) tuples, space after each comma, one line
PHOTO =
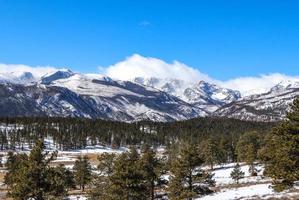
[(192, 149)]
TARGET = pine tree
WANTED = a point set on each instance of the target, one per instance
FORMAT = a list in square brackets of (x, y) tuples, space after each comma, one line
[(29, 176), (237, 174), (60, 179), (211, 152), (102, 182), (82, 171), (106, 163), (13, 164), (281, 152), (187, 179), (247, 150), (152, 170), (127, 180)]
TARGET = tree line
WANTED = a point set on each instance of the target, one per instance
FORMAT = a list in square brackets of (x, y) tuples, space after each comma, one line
[(75, 133)]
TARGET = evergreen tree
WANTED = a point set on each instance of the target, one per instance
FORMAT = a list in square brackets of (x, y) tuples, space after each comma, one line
[(102, 181), (211, 152), (60, 179), (281, 152), (187, 179), (247, 150), (29, 178), (13, 164), (237, 174), (82, 171), (151, 168), (127, 180), (106, 163)]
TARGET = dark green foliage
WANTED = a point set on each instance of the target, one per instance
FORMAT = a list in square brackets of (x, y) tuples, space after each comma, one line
[(127, 176), (101, 183), (237, 174), (13, 164), (61, 179), (82, 171), (247, 149), (188, 180), (31, 177), (106, 163), (211, 152), (72, 133), (127, 180), (152, 169), (281, 152)]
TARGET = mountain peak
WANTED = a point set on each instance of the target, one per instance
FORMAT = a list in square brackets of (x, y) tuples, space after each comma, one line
[(60, 74)]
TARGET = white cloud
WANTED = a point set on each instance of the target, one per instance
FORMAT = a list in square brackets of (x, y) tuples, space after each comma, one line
[(259, 84), (18, 69), (139, 66)]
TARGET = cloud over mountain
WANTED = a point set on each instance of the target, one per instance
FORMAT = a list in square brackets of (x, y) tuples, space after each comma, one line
[(258, 84), (18, 69), (139, 66)]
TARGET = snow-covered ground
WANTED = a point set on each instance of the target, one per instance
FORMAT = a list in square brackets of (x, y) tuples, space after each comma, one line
[(257, 191), (257, 187), (77, 197), (222, 174)]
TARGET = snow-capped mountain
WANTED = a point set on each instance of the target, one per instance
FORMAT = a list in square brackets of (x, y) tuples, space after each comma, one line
[(65, 93), (69, 94), (270, 106), (204, 95), (60, 74)]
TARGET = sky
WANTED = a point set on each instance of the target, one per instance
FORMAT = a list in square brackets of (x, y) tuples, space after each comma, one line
[(221, 40)]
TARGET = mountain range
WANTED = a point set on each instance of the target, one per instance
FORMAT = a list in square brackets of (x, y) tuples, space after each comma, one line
[(64, 93)]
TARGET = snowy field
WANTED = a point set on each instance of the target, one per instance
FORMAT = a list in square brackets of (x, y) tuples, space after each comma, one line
[(257, 187), (222, 175), (257, 191)]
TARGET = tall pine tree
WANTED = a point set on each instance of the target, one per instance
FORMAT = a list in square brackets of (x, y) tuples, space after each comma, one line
[(188, 180), (29, 178), (82, 171), (281, 153), (152, 170), (247, 150), (127, 180)]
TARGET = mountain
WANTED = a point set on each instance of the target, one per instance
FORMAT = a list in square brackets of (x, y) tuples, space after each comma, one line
[(203, 95), (60, 74), (68, 94), (270, 106), (92, 96)]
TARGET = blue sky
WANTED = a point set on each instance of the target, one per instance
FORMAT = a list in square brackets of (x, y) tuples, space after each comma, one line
[(225, 39)]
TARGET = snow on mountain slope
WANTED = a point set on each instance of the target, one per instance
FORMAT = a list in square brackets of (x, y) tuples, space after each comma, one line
[(133, 99), (270, 106), (65, 93), (60, 74), (204, 95), (94, 97)]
